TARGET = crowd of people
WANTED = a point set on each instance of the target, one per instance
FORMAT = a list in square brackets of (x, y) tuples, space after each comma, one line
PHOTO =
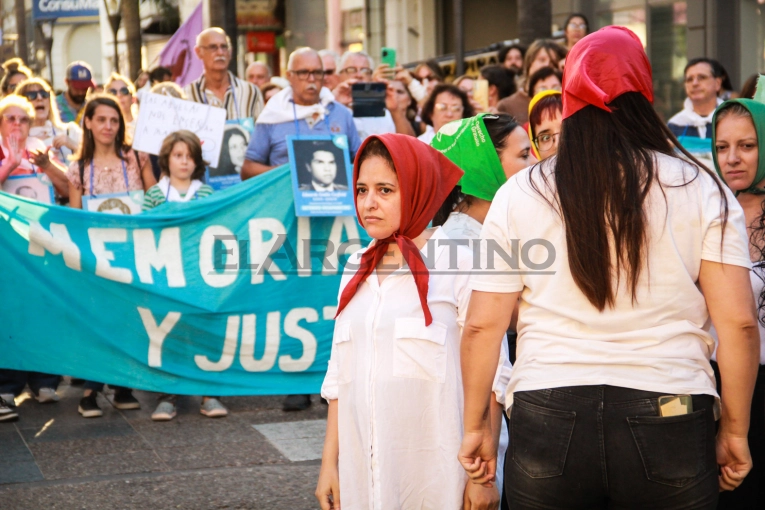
[(621, 395)]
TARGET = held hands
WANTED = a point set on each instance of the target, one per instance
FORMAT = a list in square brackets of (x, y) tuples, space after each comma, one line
[(478, 497), (733, 458), (478, 456), (328, 487)]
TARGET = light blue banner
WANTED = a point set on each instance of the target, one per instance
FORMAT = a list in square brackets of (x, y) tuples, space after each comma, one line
[(229, 295)]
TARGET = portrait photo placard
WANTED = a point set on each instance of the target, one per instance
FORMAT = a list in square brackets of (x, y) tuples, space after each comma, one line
[(321, 175), (33, 186), (236, 138), (114, 203)]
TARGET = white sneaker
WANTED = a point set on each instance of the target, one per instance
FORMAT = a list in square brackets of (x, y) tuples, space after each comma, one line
[(46, 395), (165, 412), (212, 408)]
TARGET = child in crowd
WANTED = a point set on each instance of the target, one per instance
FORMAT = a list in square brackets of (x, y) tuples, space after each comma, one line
[(182, 168), (104, 165)]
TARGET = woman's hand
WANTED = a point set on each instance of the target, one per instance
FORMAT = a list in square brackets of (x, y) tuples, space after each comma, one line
[(402, 75), (734, 460), (478, 497), (328, 487), (13, 158), (40, 158), (478, 456)]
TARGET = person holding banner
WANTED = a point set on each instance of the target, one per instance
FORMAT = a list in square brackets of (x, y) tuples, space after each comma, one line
[(47, 126), (106, 167), (393, 380), (24, 155)]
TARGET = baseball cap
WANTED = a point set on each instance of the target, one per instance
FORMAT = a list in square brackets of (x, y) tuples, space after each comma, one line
[(79, 75)]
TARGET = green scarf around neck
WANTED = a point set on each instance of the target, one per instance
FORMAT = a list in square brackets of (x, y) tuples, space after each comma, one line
[(757, 110), (467, 144)]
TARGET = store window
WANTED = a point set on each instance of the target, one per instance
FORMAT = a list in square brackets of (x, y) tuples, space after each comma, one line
[(668, 53)]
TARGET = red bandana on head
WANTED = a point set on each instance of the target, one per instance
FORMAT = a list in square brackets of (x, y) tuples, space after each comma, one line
[(425, 178), (603, 66)]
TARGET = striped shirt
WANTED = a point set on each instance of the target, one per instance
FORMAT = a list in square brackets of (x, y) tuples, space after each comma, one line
[(155, 197), (246, 101)]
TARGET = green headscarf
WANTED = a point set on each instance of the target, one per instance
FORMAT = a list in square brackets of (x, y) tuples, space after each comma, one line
[(757, 110), (467, 144)]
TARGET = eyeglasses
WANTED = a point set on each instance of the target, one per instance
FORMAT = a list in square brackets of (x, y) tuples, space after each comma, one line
[(547, 141), (17, 119), (215, 47), (303, 74), (329, 72), (354, 70), (427, 78), (580, 26), (455, 108), (34, 94), (123, 91)]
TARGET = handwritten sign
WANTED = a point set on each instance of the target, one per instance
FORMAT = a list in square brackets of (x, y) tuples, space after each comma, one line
[(161, 115)]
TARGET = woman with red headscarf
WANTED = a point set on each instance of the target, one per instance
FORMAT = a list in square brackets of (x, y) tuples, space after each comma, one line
[(393, 382), (630, 250)]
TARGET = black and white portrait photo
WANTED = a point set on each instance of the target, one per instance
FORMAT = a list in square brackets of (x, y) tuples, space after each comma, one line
[(320, 166)]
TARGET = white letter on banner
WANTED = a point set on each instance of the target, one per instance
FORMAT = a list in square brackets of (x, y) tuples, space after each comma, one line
[(293, 329), (57, 241), (230, 256), (157, 334), (260, 251), (229, 349), (303, 246), (165, 255), (247, 352), (98, 238), (335, 241)]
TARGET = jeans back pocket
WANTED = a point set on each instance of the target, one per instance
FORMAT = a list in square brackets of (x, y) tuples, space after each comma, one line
[(673, 448), (539, 438)]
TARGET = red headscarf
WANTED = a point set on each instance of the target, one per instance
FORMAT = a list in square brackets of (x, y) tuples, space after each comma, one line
[(425, 178), (603, 66)]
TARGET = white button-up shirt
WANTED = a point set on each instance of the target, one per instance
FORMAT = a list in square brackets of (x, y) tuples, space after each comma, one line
[(399, 386)]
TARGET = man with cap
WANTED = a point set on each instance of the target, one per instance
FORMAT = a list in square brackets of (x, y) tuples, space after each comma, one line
[(79, 78)]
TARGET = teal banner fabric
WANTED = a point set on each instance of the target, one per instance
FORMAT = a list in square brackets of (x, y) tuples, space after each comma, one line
[(228, 295)]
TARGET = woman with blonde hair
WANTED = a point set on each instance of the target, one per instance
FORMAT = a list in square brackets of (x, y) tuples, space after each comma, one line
[(47, 126), (123, 89), (23, 154)]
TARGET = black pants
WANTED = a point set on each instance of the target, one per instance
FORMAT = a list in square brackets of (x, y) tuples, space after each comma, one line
[(606, 447), (14, 381), (751, 493)]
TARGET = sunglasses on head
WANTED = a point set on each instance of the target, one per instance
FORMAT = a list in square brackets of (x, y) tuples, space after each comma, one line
[(34, 94), (124, 91)]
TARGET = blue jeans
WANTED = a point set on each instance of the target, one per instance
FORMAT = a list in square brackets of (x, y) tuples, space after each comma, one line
[(607, 447), (13, 381)]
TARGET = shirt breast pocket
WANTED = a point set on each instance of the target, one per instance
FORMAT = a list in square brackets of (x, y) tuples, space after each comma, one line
[(344, 353), (419, 350)]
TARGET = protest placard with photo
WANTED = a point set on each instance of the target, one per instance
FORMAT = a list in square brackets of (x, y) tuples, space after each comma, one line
[(114, 203), (32, 186), (321, 174)]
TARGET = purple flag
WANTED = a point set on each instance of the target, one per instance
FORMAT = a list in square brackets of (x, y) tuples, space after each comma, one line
[(178, 54)]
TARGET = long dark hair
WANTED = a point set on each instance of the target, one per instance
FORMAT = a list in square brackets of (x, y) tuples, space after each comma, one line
[(88, 145), (603, 173), (499, 128)]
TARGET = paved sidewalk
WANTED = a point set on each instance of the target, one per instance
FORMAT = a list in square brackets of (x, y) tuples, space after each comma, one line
[(258, 457)]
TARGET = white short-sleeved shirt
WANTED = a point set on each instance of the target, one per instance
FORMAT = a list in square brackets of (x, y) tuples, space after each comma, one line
[(661, 342)]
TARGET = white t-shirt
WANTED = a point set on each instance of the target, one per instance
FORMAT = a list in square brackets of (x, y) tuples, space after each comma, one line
[(428, 135), (367, 126), (661, 342)]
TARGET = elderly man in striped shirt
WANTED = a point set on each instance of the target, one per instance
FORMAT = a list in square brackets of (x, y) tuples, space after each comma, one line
[(218, 86)]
